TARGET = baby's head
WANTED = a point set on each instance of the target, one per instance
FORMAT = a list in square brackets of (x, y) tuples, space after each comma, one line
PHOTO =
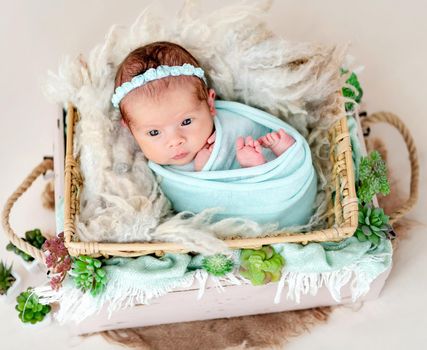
[(171, 115)]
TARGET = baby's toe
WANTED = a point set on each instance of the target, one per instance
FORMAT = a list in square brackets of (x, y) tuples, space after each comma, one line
[(262, 141), (240, 142), (270, 139), (282, 133), (249, 141), (275, 136)]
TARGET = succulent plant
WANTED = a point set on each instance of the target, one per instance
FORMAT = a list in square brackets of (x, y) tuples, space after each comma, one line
[(372, 177), (12, 248), (88, 274), (58, 261), (6, 277), (350, 93), (29, 308), (34, 237), (218, 264), (373, 225), (261, 266)]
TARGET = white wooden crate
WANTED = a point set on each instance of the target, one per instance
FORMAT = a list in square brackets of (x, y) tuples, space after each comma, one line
[(182, 305)]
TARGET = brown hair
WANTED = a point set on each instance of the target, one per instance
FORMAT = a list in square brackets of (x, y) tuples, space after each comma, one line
[(151, 56)]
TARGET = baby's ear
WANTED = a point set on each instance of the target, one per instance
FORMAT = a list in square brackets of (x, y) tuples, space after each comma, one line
[(211, 101)]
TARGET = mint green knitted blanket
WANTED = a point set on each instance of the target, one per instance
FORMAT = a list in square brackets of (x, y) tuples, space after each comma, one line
[(282, 190)]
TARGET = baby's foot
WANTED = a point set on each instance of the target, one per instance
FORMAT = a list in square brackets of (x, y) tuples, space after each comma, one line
[(248, 152), (278, 142)]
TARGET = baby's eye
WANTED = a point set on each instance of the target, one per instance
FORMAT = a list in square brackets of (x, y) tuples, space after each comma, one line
[(153, 132), (184, 122)]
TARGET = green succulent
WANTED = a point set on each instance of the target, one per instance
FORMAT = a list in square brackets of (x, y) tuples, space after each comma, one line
[(373, 225), (218, 264), (6, 277), (372, 177), (12, 248), (88, 274), (350, 93), (34, 237), (261, 266), (29, 308)]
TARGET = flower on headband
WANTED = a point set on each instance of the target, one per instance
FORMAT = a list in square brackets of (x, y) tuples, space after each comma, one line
[(187, 69), (150, 74), (120, 90), (138, 81), (162, 72), (128, 86), (199, 72), (175, 71)]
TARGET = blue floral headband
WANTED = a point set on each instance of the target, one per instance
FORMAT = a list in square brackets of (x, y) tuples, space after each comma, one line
[(154, 74)]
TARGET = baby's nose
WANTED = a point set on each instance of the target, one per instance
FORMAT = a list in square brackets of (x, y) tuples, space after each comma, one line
[(177, 141)]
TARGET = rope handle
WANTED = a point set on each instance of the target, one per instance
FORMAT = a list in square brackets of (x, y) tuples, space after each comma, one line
[(392, 119), (40, 169)]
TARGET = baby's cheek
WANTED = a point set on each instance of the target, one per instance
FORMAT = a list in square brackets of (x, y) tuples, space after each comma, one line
[(144, 149), (148, 152), (152, 155)]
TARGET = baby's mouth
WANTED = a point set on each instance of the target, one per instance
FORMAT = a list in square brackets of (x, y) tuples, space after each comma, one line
[(180, 156)]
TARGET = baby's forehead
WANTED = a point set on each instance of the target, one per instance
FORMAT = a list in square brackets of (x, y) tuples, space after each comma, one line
[(157, 87), (160, 95)]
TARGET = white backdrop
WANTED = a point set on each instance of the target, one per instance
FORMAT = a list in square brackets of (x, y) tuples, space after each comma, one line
[(387, 37)]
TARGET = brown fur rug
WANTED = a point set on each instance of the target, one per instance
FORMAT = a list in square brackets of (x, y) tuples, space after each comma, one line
[(268, 331), (247, 332)]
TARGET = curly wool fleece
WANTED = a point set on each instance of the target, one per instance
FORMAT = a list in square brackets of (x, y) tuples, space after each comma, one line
[(121, 200)]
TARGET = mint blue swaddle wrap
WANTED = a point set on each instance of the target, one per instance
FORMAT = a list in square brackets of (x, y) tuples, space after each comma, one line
[(282, 190)]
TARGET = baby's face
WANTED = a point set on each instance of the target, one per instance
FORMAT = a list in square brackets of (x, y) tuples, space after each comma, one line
[(175, 122)]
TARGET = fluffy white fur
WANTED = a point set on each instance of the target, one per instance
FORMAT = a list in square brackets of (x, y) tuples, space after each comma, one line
[(121, 200)]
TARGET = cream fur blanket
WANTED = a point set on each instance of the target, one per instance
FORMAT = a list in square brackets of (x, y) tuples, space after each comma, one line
[(121, 200)]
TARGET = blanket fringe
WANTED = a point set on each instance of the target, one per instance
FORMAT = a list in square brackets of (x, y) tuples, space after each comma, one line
[(302, 283), (76, 305)]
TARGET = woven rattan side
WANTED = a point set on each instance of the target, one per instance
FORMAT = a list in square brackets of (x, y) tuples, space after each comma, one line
[(342, 219), (73, 182)]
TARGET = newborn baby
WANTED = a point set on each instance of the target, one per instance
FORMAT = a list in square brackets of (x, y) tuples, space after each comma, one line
[(165, 102), (212, 154)]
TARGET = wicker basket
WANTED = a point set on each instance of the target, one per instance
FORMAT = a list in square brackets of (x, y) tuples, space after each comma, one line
[(342, 216), (342, 213)]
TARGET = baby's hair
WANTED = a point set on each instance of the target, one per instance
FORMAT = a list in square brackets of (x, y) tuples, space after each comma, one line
[(151, 56)]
